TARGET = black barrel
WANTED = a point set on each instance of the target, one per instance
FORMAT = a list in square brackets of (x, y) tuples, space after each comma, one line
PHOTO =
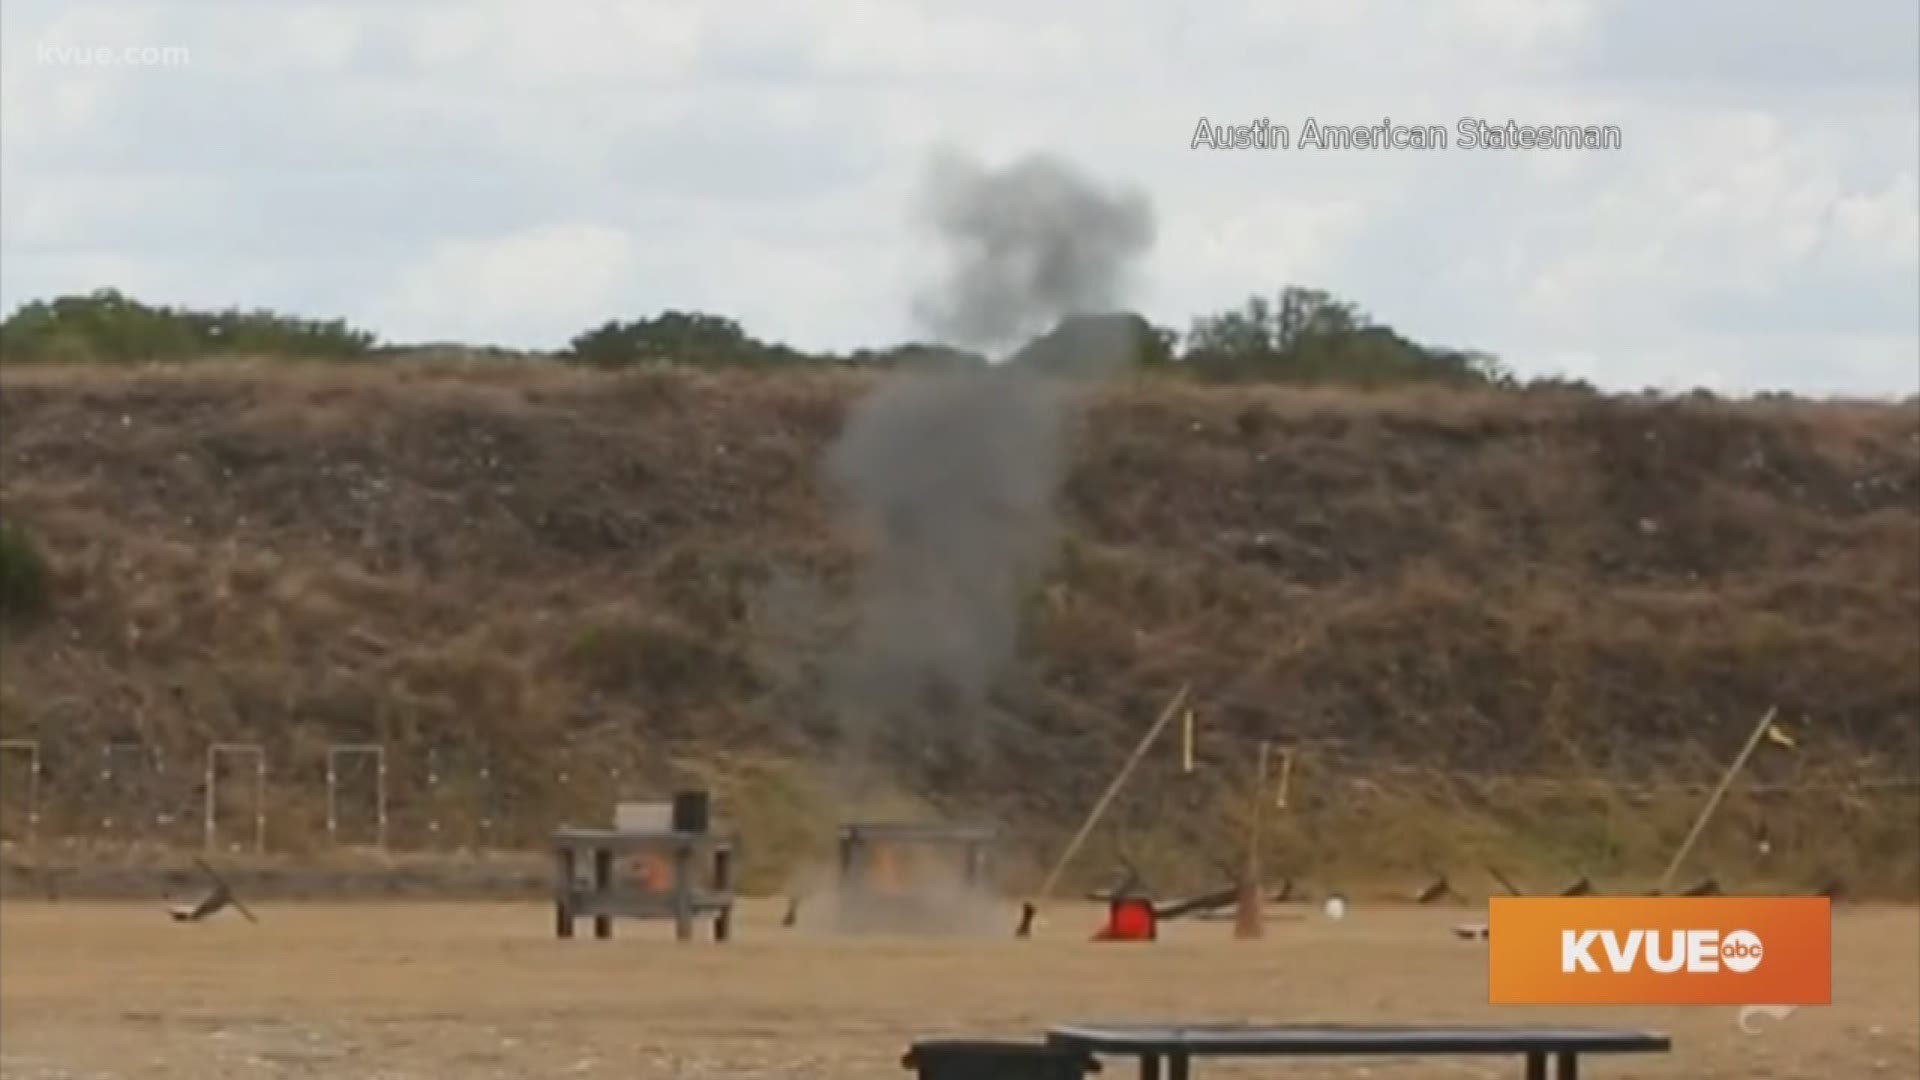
[(690, 811), (980, 1059)]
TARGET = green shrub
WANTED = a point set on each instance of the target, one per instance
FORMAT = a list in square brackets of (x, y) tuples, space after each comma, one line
[(108, 327), (23, 575), (1308, 336), (1302, 336), (676, 337), (1098, 345)]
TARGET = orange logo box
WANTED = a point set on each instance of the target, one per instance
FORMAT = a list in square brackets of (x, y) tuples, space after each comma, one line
[(1659, 950)]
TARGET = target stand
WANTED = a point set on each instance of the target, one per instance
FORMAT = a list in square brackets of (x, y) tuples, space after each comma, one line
[(659, 879), (28, 751), (898, 876)]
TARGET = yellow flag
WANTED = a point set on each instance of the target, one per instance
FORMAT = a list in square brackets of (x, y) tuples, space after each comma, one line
[(1778, 736)]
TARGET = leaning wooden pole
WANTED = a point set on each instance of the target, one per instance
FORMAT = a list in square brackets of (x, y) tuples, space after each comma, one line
[(1113, 788), (1713, 801)]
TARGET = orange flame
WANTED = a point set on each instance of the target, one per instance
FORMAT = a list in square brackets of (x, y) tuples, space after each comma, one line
[(884, 872), (653, 870)]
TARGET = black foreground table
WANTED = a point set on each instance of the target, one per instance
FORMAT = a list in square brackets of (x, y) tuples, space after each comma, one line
[(1177, 1045)]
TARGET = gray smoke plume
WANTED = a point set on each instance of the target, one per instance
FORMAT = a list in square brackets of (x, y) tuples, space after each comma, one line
[(951, 477), (1028, 246)]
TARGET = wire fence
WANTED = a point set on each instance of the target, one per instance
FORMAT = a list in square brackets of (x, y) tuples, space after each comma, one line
[(240, 797), (234, 796)]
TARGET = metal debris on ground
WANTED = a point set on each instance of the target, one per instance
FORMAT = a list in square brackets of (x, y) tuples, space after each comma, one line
[(1708, 887), (1777, 1012), (218, 899), (1505, 883), (1440, 889)]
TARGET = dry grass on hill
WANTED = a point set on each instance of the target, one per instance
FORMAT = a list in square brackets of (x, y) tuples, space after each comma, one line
[(567, 571)]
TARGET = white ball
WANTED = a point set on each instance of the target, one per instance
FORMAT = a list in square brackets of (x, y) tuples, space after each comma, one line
[(1336, 907)]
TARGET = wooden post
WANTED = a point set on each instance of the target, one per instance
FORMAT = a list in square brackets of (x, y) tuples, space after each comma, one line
[(563, 892), (1286, 776), (259, 801), (1713, 801), (602, 884), (1247, 923)]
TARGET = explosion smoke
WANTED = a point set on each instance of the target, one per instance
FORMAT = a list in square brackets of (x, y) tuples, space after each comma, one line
[(1029, 245), (951, 477)]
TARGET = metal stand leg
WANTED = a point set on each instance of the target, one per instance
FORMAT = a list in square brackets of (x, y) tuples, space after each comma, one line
[(602, 883), (683, 894), (562, 893), (1567, 1066), (1177, 1067), (1149, 1067), (723, 885), (1536, 1065)]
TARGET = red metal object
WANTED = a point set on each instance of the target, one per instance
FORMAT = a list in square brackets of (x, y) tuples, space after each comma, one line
[(1130, 918)]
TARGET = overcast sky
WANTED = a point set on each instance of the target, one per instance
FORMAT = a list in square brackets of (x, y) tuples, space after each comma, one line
[(513, 172)]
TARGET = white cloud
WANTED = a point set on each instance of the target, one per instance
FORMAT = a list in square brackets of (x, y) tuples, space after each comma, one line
[(1768, 49), (518, 170), (1881, 227), (556, 279), (548, 46)]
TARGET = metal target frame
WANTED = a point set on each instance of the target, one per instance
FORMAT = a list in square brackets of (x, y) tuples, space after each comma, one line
[(489, 804), (378, 752), (30, 748), (467, 769), (433, 794), (211, 814), (153, 767)]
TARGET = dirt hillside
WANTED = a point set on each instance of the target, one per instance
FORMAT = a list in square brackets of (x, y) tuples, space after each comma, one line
[(1523, 626)]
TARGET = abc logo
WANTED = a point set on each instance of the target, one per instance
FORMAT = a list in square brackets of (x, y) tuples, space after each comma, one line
[(1740, 951)]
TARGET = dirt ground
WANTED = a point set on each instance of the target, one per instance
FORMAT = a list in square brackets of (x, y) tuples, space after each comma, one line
[(408, 990)]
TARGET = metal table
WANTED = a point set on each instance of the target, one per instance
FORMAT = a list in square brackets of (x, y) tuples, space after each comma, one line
[(859, 840), (604, 898), (1174, 1046)]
